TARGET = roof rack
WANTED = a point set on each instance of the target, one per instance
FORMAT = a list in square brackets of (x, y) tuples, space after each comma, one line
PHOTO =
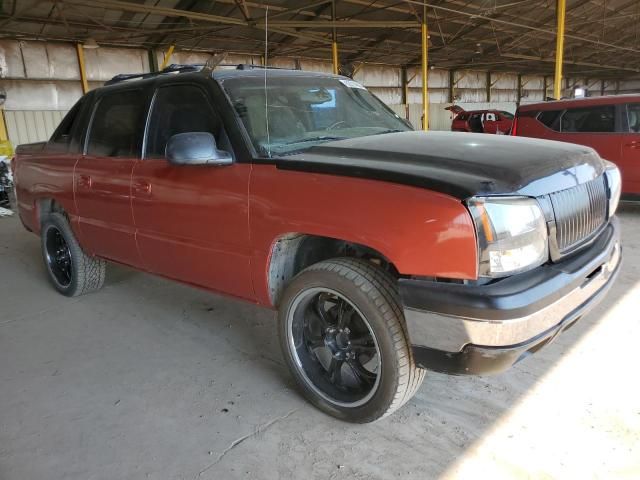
[(180, 68), (174, 68), (248, 66)]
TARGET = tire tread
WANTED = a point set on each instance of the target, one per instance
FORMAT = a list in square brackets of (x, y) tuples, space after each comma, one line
[(90, 271)]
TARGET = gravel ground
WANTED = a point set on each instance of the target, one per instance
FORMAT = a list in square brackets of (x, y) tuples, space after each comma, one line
[(151, 379)]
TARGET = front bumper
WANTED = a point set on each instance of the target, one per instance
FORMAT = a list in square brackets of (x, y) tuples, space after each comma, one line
[(479, 329)]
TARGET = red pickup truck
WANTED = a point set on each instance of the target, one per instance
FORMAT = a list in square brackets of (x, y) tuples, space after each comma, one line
[(385, 251)]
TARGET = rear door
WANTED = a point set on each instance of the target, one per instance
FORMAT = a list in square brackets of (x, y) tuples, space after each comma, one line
[(630, 157), (595, 126), (102, 176), (192, 220)]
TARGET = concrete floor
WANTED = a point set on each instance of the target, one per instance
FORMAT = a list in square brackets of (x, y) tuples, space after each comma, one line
[(151, 379)]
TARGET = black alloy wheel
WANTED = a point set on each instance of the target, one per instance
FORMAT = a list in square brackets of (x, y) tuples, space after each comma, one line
[(58, 256), (334, 347)]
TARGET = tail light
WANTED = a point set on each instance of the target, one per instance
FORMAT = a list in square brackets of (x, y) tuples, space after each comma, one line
[(514, 126)]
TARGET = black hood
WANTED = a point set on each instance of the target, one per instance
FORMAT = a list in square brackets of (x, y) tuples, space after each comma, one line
[(458, 164)]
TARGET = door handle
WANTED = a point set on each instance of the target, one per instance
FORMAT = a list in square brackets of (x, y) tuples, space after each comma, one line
[(141, 186), (84, 181)]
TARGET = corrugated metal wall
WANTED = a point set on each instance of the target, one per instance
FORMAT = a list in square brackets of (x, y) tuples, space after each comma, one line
[(28, 126), (42, 80)]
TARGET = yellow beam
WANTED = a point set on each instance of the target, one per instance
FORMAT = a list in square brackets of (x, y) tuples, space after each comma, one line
[(4, 136), (5, 145), (334, 41), (167, 57), (561, 10), (425, 70), (81, 66)]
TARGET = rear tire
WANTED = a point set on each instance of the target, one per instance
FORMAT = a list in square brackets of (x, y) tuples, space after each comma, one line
[(343, 336), (71, 271)]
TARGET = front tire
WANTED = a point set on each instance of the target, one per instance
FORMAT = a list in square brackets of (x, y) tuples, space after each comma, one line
[(343, 336), (71, 271)]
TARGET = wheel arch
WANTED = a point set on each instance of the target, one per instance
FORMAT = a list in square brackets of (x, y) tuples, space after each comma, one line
[(46, 205), (293, 252)]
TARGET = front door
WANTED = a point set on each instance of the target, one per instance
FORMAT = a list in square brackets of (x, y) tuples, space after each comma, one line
[(102, 177), (489, 123), (630, 161), (191, 220)]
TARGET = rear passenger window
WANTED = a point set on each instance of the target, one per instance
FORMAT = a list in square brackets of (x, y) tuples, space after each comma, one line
[(116, 128), (591, 120), (633, 117), (550, 118), (62, 135), (179, 109)]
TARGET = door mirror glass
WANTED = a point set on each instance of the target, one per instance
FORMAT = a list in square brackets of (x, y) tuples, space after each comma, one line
[(195, 148)]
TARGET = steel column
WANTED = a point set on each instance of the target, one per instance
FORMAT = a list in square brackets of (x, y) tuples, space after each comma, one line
[(488, 80), (561, 10), (334, 41), (405, 91), (4, 136), (153, 60), (167, 57), (452, 85), (81, 67), (425, 70)]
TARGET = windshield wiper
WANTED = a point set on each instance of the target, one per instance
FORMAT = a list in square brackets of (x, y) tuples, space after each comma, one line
[(316, 139), (390, 130)]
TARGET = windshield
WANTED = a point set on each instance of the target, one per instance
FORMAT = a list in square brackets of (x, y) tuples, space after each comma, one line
[(307, 111)]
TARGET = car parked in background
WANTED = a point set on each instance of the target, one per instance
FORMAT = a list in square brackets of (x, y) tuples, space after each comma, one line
[(480, 121), (610, 125)]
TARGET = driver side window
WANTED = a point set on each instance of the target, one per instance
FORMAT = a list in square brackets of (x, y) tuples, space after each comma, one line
[(179, 109)]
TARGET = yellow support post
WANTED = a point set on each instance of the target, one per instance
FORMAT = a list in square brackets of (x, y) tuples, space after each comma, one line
[(167, 57), (4, 136), (561, 10), (5, 145), (334, 41), (81, 66), (425, 70)]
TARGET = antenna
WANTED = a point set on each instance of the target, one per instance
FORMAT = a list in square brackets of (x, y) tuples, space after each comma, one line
[(266, 99)]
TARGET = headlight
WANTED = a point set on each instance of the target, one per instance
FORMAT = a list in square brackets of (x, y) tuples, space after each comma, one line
[(512, 234), (614, 184)]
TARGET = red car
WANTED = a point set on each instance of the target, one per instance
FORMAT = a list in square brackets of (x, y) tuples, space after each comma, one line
[(480, 121), (610, 125), (385, 251)]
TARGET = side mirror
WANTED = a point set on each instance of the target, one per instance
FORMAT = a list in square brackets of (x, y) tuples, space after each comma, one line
[(195, 148)]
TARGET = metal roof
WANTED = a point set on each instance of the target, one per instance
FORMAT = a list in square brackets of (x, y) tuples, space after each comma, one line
[(602, 37)]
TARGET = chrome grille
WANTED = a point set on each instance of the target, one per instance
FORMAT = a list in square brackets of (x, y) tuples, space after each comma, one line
[(579, 212)]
